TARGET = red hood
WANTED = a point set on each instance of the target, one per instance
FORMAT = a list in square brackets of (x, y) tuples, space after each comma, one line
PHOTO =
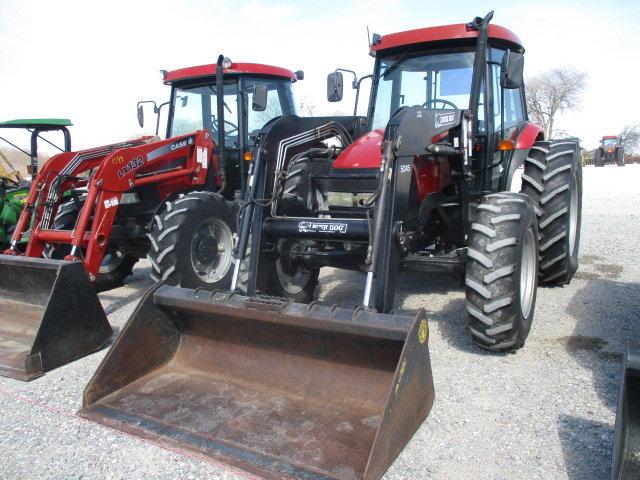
[(365, 152)]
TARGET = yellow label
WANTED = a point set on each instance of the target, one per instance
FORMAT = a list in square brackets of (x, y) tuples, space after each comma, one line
[(423, 331)]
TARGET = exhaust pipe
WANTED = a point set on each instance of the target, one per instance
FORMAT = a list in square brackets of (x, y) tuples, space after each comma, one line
[(276, 388), (43, 326)]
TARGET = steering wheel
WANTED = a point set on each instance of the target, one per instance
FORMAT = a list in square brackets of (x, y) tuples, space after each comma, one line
[(228, 133), (445, 103)]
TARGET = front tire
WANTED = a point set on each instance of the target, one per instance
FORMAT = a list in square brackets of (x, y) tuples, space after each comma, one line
[(502, 271), (278, 279), (553, 180), (619, 157), (192, 241), (116, 264)]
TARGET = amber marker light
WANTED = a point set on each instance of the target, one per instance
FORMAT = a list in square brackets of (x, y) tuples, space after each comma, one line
[(247, 156), (505, 145)]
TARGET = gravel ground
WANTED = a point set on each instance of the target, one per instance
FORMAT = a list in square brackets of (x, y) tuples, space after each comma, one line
[(545, 412)]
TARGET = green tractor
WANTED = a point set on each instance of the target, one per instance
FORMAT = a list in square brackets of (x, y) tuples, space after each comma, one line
[(14, 188)]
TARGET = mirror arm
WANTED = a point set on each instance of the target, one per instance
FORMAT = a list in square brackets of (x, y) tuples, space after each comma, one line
[(355, 107), (354, 84), (157, 110)]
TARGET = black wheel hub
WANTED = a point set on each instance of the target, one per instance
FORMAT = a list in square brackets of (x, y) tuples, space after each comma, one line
[(206, 250)]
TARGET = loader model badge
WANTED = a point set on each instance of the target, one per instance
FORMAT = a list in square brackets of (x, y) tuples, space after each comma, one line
[(182, 143), (443, 119), (133, 164), (322, 227)]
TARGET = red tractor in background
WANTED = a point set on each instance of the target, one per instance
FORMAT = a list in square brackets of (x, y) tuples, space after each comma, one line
[(610, 151), (124, 201)]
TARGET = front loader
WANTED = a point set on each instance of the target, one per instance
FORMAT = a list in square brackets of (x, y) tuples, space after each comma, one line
[(626, 448), (91, 214)]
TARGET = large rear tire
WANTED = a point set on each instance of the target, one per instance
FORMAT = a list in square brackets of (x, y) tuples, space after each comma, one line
[(619, 157), (192, 241), (553, 180), (597, 158), (502, 271)]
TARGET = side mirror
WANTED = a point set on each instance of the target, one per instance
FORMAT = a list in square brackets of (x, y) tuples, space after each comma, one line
[(140, 115), (259, 102), (334, 86), (184, 100), (511, 70)]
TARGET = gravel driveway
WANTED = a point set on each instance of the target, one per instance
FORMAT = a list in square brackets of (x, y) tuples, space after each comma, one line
[(545, 412)]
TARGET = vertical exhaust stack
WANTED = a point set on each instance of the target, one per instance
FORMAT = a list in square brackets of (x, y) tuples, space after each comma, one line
[(273, 387), (49, 316)]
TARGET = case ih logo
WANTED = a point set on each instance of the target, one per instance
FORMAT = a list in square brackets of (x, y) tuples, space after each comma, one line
[(132, 165), (182, 143), (443, 119), (322, 227)]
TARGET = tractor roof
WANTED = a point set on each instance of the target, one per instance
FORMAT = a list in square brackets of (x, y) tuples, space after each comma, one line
[(236, 69), (458, 31), (36, 122), (607, 137)]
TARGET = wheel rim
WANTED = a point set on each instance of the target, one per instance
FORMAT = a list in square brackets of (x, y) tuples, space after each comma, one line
[(211, 250), (527, 273), (291, 284), (573, 215), (111, 261)]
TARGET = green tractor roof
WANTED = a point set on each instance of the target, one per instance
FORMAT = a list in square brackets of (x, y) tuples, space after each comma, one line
[(36, 122)]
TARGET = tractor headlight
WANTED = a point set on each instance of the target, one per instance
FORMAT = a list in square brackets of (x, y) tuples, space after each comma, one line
[(129, 198), (226, 63)]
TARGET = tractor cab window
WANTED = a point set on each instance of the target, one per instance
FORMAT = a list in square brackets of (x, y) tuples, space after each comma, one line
[(196, 108), (279, 102), (609, 142), (440, 80)]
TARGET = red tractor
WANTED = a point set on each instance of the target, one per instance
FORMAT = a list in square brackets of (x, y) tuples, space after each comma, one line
[(289, 390), (430, 182), (609, 151), (126, 197)]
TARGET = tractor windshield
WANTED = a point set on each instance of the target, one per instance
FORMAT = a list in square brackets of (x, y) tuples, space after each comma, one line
[(434, 80), (609, 142), (195, 107)]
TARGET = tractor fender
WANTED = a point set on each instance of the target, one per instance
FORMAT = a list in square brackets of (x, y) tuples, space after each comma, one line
[(528, 135)]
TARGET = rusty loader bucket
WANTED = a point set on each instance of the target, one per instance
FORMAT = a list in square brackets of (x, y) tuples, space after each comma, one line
[(626, 451), (276, 388), (49, 316)]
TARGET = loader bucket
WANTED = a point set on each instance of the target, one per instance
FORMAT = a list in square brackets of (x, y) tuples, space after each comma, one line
[(272, 387), (49, 316), (626, 449)]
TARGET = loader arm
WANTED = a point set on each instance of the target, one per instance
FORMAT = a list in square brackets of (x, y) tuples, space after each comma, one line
[(175, 164)]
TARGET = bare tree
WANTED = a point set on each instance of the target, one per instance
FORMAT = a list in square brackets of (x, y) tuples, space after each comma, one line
[(306, 107), (552, 92), (630, 137)]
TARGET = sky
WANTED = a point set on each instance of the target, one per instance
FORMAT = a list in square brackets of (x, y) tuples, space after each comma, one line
[(93, 61)]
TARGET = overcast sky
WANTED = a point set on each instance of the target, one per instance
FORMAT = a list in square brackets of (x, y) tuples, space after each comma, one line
[(92, 61)]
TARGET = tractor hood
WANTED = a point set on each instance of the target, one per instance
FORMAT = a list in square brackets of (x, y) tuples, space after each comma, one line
[(365, 152)]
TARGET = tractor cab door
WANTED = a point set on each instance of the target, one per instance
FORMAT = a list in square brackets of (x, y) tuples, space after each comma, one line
[(504, 120), (194, 107)]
